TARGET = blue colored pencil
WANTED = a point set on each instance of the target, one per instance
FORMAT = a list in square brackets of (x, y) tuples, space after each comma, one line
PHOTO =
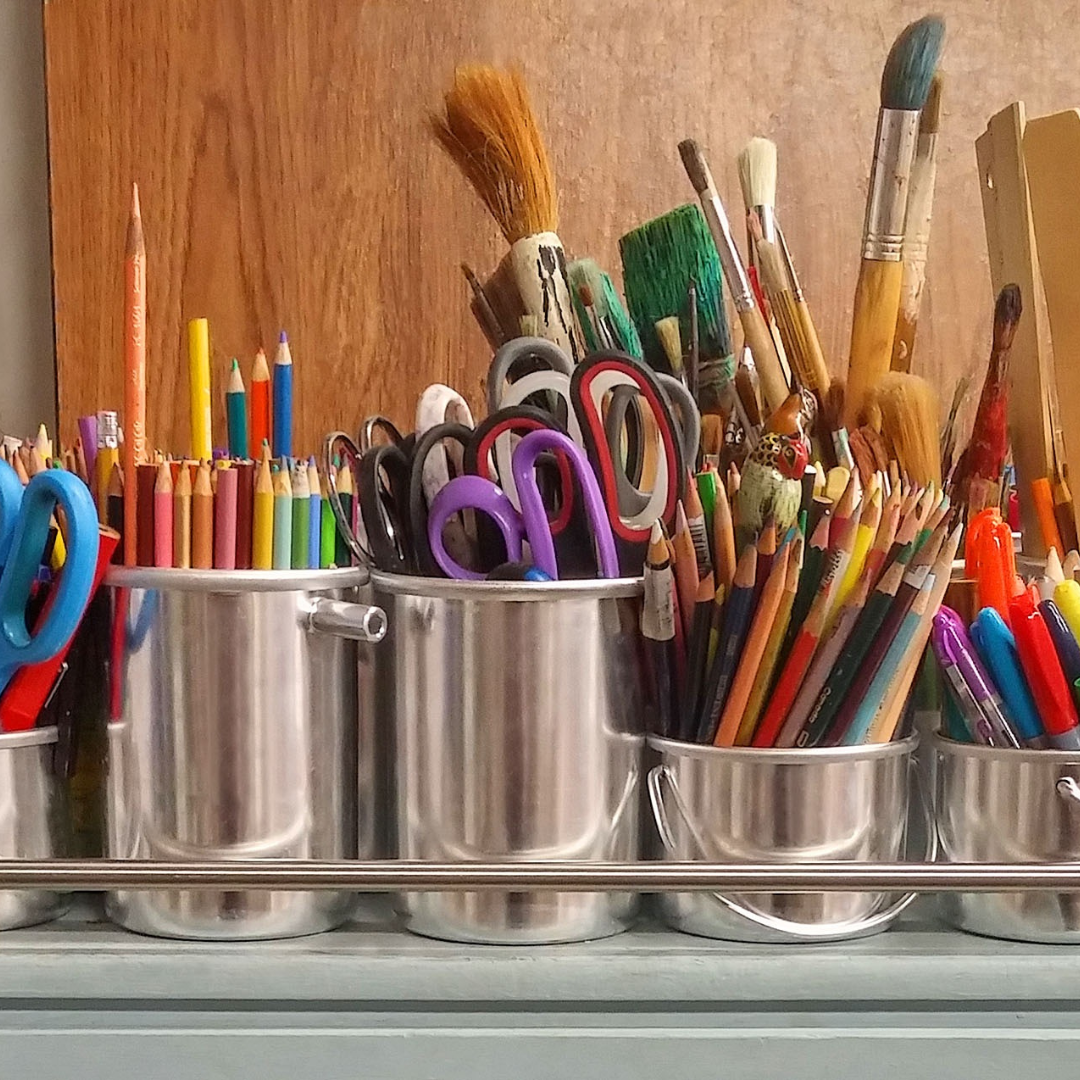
[(283, 399), (314, 514)]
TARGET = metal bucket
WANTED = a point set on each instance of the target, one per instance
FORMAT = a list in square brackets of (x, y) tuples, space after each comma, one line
[(34, 822), (237, 740), (518, 718), (1003, 805), (793, 806)]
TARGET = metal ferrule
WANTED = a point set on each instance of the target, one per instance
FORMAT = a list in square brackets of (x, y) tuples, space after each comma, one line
[(767, 217), (886, 203), (742, 295)]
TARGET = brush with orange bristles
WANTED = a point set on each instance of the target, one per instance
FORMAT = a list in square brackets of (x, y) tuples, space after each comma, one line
[(488, 128), (905, 84), (908, 406)]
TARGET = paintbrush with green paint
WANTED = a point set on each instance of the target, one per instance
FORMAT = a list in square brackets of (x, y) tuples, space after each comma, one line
[(600, 311), (661, 259)]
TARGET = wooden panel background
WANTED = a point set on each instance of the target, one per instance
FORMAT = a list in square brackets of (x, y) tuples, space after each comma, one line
[(288, 179)]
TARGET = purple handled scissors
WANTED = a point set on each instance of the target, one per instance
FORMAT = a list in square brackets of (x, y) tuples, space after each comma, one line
[(531, 524)]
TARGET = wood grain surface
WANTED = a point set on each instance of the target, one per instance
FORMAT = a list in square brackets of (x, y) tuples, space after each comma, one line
[(288, 180)]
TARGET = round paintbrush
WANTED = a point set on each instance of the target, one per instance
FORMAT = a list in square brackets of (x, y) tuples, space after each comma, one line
[(757, 178), (490, 131), (905, 84)]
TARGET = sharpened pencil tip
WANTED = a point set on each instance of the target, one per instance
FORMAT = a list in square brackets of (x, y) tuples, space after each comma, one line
[(283, 338)]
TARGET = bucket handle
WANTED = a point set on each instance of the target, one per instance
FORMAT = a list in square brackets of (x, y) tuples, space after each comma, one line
[(800, 931), (358, 622)]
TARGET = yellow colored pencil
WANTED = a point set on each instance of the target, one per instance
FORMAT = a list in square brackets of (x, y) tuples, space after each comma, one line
[(202, 439), (262, 529), (869, 520)]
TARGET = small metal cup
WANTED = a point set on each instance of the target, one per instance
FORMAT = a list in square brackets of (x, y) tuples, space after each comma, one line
[(237, 740), (769, 805), (518, 714), (1005, 805), (34, 822)]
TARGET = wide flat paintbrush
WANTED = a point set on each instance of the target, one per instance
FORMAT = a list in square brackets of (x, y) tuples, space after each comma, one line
[(489, 129), (920, 210), (755, 330), (905, 84)]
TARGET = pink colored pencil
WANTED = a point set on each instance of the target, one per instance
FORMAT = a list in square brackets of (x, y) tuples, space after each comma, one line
[(225, 520), (163, 516)]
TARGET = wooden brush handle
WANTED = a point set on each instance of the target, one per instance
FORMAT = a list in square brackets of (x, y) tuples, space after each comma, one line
[(877, 300), (815, 358), (770, 374), (539, 267)]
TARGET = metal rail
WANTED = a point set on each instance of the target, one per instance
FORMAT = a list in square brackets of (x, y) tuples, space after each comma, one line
[(95, 875)]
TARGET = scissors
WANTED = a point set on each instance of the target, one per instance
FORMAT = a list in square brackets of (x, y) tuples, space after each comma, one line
[(531, 522), (25, 516)]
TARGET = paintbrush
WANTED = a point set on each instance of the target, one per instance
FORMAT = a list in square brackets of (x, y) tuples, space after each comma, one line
[(660, 260), (755, 330), (757, 178), (920, 209), (981, 463), (601, 315), (815, 357), (488, 128), (905, 84), (909, 424)]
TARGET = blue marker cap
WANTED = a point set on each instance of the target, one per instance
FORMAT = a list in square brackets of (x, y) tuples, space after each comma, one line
[(996, 647)]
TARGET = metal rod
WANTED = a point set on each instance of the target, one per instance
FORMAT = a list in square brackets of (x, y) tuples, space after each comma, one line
[(91, 875)]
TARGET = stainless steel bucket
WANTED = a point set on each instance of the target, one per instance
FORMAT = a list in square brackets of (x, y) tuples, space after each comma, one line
[(1003, 805), (34, 822), (518, 718), (237, 739), (793, 806)]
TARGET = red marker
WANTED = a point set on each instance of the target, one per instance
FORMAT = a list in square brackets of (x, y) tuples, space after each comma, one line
[(1038, 657)]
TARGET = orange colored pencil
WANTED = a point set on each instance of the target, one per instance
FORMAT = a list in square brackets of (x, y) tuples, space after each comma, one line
[(134, 374), (686, 568), (202, 519), (753, 651), (723, 540), (259, 404)]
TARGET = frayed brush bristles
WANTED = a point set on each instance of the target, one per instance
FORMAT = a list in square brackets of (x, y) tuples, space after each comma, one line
[(930, 117), (911, 63), (757, 172), (909, 421), (586, 273), (490, 131)]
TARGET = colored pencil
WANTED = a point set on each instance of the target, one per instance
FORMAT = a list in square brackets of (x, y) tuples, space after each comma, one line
[(163, 516), (869, 520), (134, 370), (182, 517), (814, 561), (262, 530), (202, 519), (245, 493), (114, 499), (236, 412), (698, 643), (202, 440), (699, 533), (259, 403), (724, 556), (225, 519), (314, 515), (145, 481), (328, 553), (283, 399), (108, 455), (770, 661), (731, 719), (301, 510), (738, 610), (283, 520), (344, 477), (686, 569)]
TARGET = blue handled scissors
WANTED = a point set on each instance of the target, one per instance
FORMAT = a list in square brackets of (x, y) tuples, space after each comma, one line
[(25, 516)]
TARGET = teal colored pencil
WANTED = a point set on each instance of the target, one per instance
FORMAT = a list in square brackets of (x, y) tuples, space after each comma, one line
[(236, 413), (890, 668), (301, 514), (283, 519)]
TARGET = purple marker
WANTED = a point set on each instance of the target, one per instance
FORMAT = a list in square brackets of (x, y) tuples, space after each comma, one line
[(947, 652)]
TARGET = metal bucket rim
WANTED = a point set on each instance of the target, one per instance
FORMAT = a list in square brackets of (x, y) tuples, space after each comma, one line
[(495, 591), (816, 755), (235, 581), (1023, 754), (17, 740)]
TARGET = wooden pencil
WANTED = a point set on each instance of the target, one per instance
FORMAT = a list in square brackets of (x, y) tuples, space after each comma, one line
[(695, 523), (869, 520), (145, 482), (301, 511), (202, 519), (314, 515), (182, 517), (697, 646), (883, 540), (328, 533), (814, 560), (658, 629), (134, 451), (723, 540), (113, 494), (686, 568), (346, 494), (163, 517), (262, 529), (202, 438), (771, 656), (236, 412), (225, 519), (283, 518)]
